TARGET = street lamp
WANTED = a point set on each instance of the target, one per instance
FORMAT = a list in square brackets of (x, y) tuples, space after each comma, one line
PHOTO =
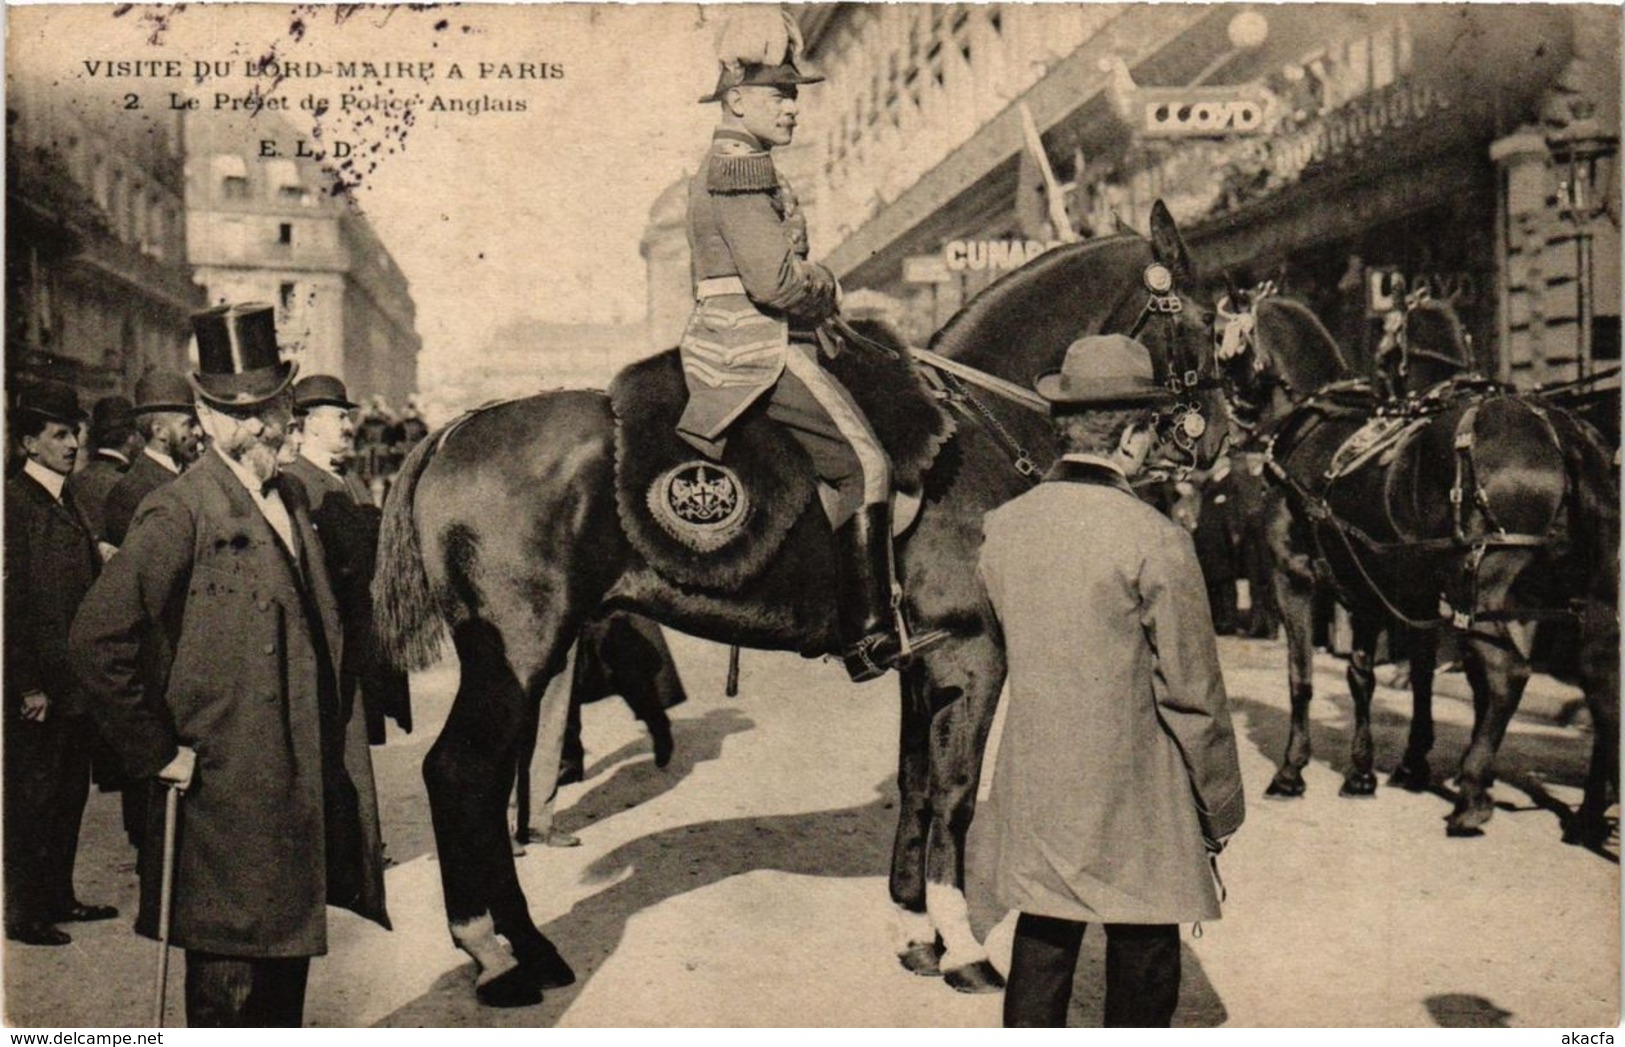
[(1582, 150)]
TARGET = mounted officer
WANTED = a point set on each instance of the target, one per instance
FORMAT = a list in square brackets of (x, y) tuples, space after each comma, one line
[(755, 330)]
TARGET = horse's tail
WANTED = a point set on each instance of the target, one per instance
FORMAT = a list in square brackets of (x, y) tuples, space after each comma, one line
[(406, 617)]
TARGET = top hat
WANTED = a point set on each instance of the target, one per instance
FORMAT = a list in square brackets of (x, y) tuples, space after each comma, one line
[(239, 362), (112, 420), (319, 390), (163, 391), (757, 47), (1105, 370), (52, 401)]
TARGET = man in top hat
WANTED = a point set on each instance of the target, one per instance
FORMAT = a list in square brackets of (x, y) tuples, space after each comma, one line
[(342, 509), (168, 423), (279, 815), (114, 443), (1116, 782), (50, 564), (754, 331)]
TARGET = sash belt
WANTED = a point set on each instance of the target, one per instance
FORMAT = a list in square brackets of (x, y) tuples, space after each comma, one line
[(716, 286)]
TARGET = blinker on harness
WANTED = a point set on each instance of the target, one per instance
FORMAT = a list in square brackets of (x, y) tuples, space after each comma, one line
[(1466, 493)]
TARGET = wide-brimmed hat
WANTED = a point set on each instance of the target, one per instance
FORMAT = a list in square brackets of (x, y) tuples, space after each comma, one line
[(319, 390), (1104, 370), (163, 391), (758, 47), (112, 420), (239, 363), (50, 400)]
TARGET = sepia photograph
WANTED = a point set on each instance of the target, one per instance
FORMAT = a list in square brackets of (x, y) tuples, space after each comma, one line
[(811, 515)]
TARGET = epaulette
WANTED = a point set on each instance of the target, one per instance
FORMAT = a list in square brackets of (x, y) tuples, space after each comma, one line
[(747, 173)]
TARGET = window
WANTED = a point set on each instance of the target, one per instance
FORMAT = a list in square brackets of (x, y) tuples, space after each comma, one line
[(282, 180), (232, 175), (285, 297), (284, 233)]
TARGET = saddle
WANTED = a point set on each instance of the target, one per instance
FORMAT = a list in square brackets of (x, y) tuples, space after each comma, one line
[(716, 524)]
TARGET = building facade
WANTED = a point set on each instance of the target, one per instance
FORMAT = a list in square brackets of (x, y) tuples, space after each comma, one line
[(271, 229), (98, 288), (1344, 151)]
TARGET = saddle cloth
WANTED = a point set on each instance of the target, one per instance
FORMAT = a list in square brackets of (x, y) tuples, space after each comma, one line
[(716, 525)]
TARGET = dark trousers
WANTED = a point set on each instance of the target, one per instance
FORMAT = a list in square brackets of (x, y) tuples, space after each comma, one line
[(1142, 973), (47, 781), (234, 992)]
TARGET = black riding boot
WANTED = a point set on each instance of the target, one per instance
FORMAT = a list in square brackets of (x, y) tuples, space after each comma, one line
[(870, 643)]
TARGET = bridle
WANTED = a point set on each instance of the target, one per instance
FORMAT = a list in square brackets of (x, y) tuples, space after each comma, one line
[(1186, 423), (1235, 335)]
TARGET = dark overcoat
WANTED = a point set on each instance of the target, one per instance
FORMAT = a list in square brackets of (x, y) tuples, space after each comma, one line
[(143, 477), (282, 814), (90, 487), (1118, 756), (348, 523), (50, 563)]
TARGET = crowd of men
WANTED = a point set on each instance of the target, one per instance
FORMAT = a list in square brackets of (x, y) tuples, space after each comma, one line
[(188, 608)]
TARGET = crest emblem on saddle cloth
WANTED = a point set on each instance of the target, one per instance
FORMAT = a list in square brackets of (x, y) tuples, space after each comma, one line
[(700, 503)]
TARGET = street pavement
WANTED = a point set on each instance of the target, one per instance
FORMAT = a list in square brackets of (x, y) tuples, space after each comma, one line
[(745, 885)]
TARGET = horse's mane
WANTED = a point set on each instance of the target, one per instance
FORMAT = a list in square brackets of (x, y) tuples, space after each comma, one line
[(1030, 287), (1434, 325), (1314, 358)]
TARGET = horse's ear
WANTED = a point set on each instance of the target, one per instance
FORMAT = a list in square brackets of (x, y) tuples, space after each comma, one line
[(1168, 247)]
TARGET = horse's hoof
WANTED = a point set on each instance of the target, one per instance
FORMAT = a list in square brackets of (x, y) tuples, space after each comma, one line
[(978, 977), (663, 743), (1467, 821), (921, 958), (1285, 787), (1359, 784), (515, 988), (1586, 832), (1413, 778), (546, 969)]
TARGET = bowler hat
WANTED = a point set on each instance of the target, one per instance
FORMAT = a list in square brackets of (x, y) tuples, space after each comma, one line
[(163, 391), (112, 420), (1106, 370), (50, 400), (239, 364), (319, 390)]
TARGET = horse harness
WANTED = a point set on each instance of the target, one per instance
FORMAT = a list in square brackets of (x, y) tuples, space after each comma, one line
[(1466, 492), (953, 380)]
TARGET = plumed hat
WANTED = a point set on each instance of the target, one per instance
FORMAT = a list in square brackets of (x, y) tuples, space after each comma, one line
[(757, 47)]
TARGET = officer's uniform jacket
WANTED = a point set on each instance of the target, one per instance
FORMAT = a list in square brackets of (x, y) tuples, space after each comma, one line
[(753, 284)]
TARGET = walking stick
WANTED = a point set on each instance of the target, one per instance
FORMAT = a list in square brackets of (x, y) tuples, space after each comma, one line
[(165, 887), (732, 690)]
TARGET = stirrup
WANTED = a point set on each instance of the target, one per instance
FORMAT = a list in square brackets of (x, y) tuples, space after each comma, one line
[(909, 644)]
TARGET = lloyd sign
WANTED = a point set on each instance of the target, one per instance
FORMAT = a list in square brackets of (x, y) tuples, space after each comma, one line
[(1201, 112)]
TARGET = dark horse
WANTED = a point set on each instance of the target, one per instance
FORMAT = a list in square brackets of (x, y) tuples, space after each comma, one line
[(1476, 508), (505, 527)]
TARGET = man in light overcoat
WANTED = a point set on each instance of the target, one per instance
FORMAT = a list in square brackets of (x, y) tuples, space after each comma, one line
[(279, 813), (1116, 782)]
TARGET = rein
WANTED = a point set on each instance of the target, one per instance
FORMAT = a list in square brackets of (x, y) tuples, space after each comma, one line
[(955, 376)]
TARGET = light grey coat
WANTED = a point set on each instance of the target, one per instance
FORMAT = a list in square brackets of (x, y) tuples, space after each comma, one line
[(1118, 755)]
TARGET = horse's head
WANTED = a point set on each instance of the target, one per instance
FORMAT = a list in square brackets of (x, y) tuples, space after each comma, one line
[(1423, 343), (1178, 329), (1272, 353)]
